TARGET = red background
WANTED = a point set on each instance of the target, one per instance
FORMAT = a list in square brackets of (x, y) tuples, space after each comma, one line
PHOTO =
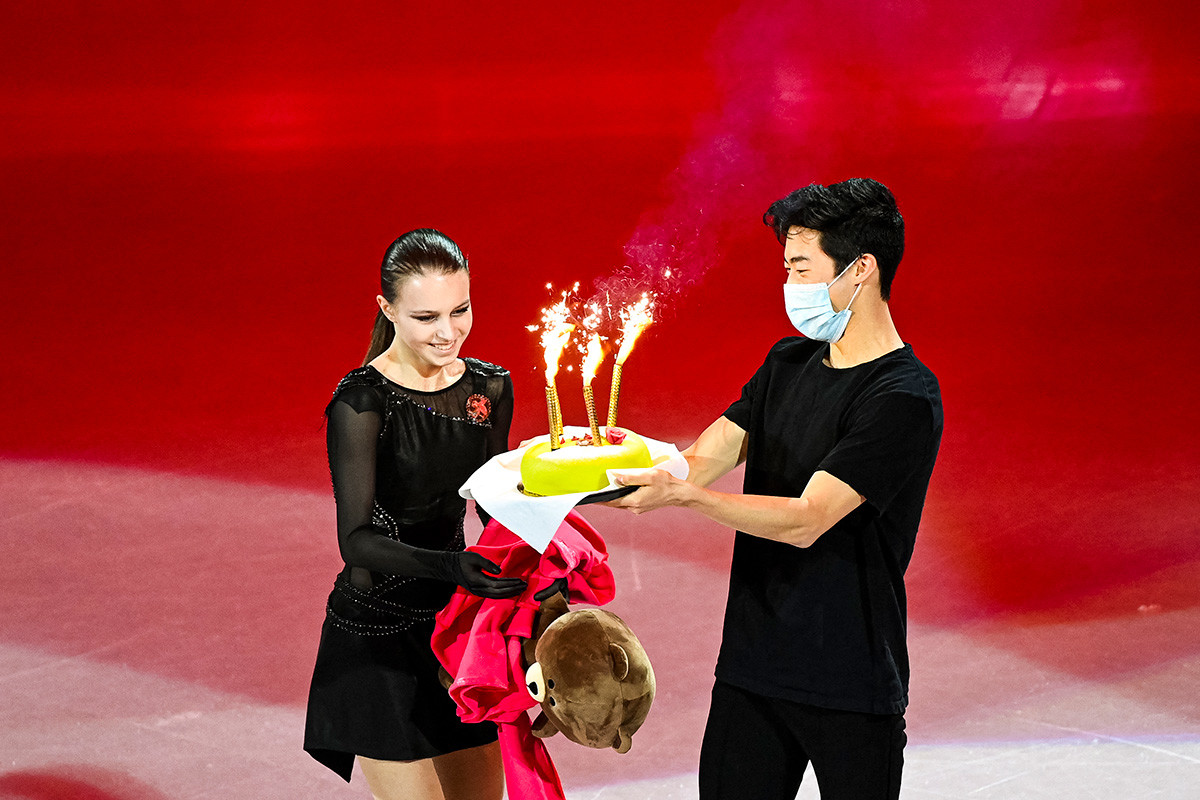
[(196, 200)]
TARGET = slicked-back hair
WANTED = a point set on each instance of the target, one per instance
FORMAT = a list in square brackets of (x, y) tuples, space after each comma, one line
[(853, 217)]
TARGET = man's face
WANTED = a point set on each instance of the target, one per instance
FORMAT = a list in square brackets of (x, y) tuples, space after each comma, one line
[(806, 262), (804, 259)]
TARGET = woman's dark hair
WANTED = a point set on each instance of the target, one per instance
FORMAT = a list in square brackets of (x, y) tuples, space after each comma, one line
[(853, 217), (415, 253)]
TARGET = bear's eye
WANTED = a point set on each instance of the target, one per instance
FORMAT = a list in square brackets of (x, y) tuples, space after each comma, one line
[(549, 684), (534, 682), (552, 703)]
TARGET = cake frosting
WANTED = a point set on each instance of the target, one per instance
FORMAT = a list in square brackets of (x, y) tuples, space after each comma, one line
[(580, 466)]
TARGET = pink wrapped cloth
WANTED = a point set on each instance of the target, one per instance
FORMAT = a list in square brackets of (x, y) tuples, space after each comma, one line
[(478, 640)]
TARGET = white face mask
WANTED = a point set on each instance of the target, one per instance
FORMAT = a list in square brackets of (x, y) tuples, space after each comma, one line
[(811, 310)]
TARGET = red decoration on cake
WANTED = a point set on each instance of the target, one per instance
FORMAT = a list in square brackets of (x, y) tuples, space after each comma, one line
[(614, 435), (479, 408)]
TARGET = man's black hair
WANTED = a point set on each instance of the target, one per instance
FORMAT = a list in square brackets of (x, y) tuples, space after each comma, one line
[(853, 217)]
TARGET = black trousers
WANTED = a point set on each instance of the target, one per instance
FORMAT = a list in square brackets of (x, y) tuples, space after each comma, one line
[(757, 748)]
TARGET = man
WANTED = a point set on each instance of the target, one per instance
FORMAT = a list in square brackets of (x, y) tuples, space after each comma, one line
[(839, 432)]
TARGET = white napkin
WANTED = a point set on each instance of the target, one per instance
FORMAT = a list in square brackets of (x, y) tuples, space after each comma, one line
[(536, 519)]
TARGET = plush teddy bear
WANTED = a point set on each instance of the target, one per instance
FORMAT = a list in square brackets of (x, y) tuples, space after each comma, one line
[(587, 669), (590, 674)]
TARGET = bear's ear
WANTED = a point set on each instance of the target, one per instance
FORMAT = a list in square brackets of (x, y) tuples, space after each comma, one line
[(543, 726), (620, 661)]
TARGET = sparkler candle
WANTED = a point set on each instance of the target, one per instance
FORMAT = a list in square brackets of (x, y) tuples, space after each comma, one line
[(591, 365), (614, 391), (635, 319), (555, 413), (556, 332)]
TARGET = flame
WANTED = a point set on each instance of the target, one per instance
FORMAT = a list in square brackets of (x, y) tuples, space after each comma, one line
[(592, 359), (635, 318), (596, 314), (592, 349), (559, 323), (556, 333)]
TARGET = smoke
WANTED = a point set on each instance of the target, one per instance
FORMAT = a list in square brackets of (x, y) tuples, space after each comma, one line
[(673, 247), (718, 179)]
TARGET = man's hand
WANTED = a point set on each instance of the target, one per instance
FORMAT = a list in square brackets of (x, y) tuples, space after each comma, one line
[(658, 488)]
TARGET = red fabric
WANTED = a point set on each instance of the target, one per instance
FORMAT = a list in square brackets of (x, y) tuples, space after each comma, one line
[(478, 641)]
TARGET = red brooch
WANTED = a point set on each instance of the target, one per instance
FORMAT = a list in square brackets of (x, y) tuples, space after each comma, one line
[(478, 407)]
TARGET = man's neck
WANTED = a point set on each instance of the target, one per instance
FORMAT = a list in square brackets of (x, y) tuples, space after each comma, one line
[(870, 334)]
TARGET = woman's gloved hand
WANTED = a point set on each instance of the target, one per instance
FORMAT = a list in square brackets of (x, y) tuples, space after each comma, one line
[(558, 587), (470, 571)]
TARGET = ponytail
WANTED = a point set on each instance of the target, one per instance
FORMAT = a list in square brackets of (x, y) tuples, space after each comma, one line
[(381, 337)]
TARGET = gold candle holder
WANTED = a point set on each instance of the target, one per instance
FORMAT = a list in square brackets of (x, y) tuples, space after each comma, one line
[(590, 401), (558, 417), (613, 393), (555, 413)]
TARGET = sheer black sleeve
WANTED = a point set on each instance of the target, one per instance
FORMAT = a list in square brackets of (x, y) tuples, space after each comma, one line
[(502, 414), (497, 437), (355, 420)]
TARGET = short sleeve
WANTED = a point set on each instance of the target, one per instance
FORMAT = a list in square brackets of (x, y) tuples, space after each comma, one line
[(888, 442), (742, 409), (788, 348), (359, 396)]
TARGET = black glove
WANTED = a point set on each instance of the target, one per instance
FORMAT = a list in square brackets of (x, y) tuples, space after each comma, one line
[(559, 586), (470, 571)]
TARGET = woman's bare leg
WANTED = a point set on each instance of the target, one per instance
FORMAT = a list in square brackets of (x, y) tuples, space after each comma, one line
[(473, 774), (402, 780)]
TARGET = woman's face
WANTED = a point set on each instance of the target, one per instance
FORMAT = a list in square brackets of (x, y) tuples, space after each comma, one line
[(432, 315)]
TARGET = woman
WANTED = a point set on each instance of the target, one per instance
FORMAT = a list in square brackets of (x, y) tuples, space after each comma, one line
[(405, 430)]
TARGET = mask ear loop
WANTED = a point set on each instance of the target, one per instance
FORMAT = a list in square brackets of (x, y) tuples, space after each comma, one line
[(856, 289), (843, 272)]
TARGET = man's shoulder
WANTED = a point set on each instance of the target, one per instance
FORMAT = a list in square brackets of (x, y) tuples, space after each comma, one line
[(900, 378), (794, 349), (918, 377)]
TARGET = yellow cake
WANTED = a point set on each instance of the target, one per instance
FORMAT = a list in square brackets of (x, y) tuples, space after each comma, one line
[(578, 467)]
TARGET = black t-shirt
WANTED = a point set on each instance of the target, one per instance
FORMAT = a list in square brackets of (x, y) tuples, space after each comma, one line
[(825, 625)]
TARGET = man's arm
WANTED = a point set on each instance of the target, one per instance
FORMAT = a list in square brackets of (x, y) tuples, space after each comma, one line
[(719, 449), (798, 521)]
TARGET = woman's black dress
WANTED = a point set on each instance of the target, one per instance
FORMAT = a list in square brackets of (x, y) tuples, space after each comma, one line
[(397, 457)]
